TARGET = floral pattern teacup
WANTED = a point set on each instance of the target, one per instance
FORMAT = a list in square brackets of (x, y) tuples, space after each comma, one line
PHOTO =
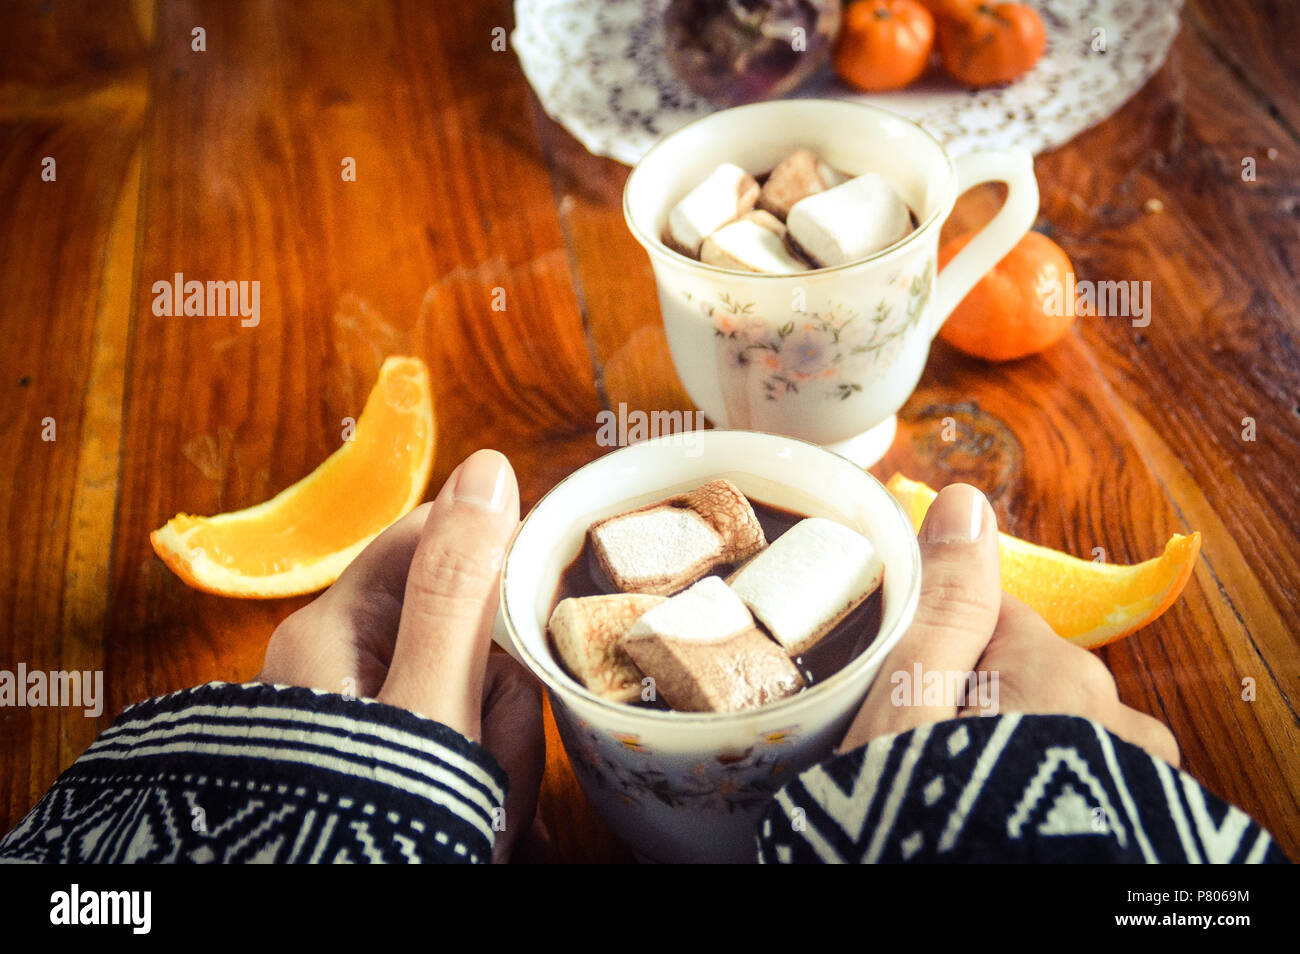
[(679, 786), (827, 355)]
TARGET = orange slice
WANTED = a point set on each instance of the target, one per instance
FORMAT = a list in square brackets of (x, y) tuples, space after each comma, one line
[(300, 540), (1090, 604)]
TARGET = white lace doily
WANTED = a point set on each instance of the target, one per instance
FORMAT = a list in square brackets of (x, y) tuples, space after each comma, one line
[(599, 68)]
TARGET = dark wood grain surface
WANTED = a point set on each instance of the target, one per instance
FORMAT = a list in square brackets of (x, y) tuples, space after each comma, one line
[(226, 164)]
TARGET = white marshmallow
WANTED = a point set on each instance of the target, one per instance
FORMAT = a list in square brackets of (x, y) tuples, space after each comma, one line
[(663, 542), (807, 580), (705, 612), (728, 193), (751, 246), (850, 221), (665, 546)]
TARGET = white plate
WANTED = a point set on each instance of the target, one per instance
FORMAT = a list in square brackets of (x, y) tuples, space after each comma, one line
[(599, 69)]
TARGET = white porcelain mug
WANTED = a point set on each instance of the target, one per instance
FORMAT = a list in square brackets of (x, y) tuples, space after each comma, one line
[(680, 786), (828, 355)]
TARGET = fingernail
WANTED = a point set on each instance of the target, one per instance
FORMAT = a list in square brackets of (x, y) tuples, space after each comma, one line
[(482, 481), (956, 516)]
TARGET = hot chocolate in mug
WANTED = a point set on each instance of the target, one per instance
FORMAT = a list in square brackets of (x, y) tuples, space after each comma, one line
[(827, 355), (691, 786)]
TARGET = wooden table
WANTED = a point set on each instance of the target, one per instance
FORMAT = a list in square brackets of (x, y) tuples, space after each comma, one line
[(226, 164)]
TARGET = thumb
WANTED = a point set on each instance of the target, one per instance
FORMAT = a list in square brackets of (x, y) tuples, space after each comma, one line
[(961, 594), (451, 595)]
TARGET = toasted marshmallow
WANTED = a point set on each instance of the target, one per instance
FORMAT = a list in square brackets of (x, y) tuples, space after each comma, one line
[(796, 177), (705, 612), (850, 221), (704, 653), (727, 194), (809, 579), (751, 244), (766, 219), (664, 546), (587, 632)]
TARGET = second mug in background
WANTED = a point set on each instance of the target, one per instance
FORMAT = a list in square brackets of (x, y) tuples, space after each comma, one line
[(828, 355)]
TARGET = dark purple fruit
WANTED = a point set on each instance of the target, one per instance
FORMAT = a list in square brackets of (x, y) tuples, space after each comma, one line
[(740, 51)]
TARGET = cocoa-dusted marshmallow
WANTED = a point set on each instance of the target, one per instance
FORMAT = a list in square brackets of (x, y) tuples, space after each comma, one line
[(587, 631), (809, 579), (728, 193), (664, 546), (796, 177), (753, 243), (705, 654), (850, 221), (766, 219)]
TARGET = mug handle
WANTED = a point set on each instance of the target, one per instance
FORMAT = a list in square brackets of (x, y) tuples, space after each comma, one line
[(1015, 167)]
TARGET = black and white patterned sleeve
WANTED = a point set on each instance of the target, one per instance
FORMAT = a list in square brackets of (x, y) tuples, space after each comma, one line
[(261, 773), (1008, 788)]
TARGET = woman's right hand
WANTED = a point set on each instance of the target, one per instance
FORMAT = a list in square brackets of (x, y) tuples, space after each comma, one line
[(966, 624)]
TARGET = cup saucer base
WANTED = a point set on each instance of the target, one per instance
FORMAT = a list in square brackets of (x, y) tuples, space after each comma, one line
[(867, 448)]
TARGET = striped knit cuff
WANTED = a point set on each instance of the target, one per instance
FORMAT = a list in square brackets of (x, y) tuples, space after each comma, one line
[(255, 772)]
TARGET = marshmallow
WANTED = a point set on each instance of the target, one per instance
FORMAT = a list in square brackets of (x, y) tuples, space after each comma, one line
[(705, 612), (796, 177), (704, 653), (850, 221), (766, 219), (587, 630), (808, 580), (728, 193), (755, 243), (664, 546)]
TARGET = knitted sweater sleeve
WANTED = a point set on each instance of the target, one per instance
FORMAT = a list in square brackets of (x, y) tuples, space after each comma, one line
[(262, 773), (1008, 788)]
